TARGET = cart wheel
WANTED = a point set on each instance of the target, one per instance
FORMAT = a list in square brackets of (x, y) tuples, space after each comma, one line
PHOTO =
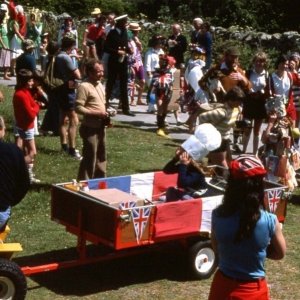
[(202, 260), (13, 283)]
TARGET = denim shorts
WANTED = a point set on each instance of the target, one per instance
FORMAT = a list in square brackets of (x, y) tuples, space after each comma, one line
[(25, 134), (4, 217)]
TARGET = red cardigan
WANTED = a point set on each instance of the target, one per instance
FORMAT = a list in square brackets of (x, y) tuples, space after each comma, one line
[(25, 109)]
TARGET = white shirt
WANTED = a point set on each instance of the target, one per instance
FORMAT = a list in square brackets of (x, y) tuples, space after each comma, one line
[(258, 81), (152, 59), (281, 85)]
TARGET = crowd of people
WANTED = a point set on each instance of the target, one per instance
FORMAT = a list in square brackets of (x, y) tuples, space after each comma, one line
[(222, 93)]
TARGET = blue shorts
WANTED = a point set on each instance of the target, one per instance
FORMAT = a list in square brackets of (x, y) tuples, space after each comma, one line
[(4, 217), (25, 134), (67, 98)]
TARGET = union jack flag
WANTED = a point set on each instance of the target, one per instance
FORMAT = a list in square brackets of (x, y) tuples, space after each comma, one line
[(127, 205), (140, 217), (274, 197)]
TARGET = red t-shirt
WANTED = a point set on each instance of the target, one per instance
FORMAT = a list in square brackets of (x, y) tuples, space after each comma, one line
[(94, 32)]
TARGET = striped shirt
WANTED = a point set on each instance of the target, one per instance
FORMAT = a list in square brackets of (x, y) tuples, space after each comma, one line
[(223, 118)]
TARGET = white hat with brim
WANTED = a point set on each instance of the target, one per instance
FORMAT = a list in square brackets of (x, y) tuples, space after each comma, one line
[(96, 11), (120, 18), (194, 148)]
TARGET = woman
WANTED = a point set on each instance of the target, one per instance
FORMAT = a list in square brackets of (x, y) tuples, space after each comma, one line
[(280, 85), (294, 71), (244, 234), (138, 67), (205, 41), (17, 30), (5, 56), (224, 118), (69, 29), (254, 104), (34, 31)]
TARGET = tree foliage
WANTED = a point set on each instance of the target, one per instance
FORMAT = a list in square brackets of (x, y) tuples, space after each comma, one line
[(268, 16)]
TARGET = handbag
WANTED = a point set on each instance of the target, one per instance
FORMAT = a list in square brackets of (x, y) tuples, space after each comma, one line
[(49, 79)]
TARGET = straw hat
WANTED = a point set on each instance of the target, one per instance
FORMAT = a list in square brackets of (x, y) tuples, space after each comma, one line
[(134, 27), (96, 11)]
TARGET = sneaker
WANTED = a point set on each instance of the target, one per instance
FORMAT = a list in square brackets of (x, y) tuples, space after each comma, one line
[(65, 148), (34, 180), (75, 154), (162, 133), (152, 108)]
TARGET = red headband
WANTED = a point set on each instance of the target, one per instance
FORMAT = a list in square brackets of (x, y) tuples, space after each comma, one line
[(246, 166)]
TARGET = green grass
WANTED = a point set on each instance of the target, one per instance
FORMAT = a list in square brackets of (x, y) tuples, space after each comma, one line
[(158, 275)]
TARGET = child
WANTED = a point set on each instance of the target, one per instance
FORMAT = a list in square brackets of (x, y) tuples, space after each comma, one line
[(25, 111), (190, 177), (161, 89)]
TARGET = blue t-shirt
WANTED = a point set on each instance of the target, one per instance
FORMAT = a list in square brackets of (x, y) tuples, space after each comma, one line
[(64, 67), (243, 260)]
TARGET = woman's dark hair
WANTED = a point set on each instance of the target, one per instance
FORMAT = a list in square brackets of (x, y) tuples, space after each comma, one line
[(245, 196), (281, 59), (23, 76), (236, 93), (206, 25)]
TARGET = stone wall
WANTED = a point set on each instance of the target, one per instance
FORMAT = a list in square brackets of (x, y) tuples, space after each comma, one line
[(284, 42)]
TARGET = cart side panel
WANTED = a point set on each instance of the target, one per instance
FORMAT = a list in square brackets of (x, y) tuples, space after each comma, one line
[(87, 215), (135, 226), (177, 218)]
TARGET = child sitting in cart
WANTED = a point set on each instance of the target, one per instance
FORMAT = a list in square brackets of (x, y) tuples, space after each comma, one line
[(191, 181)]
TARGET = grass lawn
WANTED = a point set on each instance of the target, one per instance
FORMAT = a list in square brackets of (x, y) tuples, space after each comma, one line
[(156, 275)]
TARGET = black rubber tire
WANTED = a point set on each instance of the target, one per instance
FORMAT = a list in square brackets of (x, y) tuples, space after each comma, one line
[(202, 260), (13, 283)]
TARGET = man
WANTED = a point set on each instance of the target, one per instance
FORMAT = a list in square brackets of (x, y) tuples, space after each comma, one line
[(177, 44), (90, 102), (197, 22), (65, 70), (27, 59), (116, 46), (14, 177), (230, 75)]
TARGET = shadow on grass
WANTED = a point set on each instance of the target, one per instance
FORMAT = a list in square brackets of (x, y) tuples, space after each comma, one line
[(165, 263), (295, 199), (40, 187)]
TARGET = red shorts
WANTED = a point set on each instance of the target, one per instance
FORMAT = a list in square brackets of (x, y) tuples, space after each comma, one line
[(225, 288)]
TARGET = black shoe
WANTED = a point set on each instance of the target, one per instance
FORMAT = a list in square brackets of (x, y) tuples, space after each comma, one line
[(237, 149), (128, 113)]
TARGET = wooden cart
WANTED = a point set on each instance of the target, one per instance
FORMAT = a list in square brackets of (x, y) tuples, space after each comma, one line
[(126, 214)]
